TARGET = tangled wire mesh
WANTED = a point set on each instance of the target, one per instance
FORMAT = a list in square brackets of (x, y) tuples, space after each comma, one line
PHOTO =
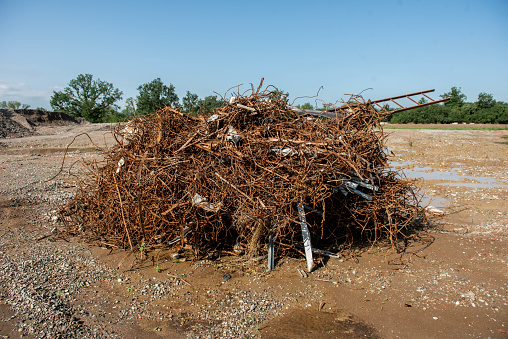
[(229, 180)]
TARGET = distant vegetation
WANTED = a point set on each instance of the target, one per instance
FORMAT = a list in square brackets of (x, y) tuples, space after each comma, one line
[(460, 127), (96, 101), (155, 95), (13, 105), (485, 110)]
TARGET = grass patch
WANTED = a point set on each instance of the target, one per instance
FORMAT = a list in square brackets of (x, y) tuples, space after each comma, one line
[(505, 137), (449, 127)]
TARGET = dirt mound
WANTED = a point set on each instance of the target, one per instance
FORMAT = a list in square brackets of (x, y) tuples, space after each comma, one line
[(11, 126), (24, 122), (44, 118)]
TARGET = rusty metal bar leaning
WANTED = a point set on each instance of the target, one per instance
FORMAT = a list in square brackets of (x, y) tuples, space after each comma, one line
[(408, 96), (404, 96)]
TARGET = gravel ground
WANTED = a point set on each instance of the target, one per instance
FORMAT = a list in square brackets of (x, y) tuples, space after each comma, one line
[(59, 289), (52, 282), (449, 283)]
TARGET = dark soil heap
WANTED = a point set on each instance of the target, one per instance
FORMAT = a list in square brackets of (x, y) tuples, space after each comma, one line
[(252, 169), (38, 117), (24, 122), (13, 128)]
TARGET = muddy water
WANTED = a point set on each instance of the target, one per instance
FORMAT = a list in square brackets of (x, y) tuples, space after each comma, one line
[(453, 176)]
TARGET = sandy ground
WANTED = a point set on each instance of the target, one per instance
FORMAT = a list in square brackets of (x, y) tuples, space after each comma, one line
[(450, 283)]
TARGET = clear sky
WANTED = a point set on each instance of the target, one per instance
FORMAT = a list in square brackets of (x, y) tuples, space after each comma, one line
[(394, 47)]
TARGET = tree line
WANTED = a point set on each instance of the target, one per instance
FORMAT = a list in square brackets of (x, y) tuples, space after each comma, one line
[(485, 110), (13, 105), (95, 100)]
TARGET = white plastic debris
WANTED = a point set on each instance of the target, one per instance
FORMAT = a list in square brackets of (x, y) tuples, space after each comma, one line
[(238, 248), (284, 152), (271, 258), (199, 201), (252, 110), (121, 162), (306, 237), (213, 118), (434, 210), (129, 130), (233, 136)]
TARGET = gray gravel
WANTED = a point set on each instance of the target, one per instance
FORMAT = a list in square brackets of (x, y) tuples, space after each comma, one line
[(41, 278), (42, 286), (58, 289)]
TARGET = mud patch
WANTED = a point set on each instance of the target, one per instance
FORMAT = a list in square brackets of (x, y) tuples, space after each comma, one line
[(7, 320), (308, 323)]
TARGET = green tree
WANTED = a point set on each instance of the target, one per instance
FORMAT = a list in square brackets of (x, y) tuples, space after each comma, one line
[(41, 109), (13, 104), (457, 98), (307, 105), (485, 110), (485, 100), (87, 98), (130, 107), (25, 106), (209, 104), (190, 103), (501, 111), (112, 115), (154, 95), (469, 110), (3, 104)]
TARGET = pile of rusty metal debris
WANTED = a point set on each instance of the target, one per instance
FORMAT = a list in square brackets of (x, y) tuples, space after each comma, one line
[(255, 178)]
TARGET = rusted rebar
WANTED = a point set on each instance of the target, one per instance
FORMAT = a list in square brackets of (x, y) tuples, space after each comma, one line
[(237, 176)]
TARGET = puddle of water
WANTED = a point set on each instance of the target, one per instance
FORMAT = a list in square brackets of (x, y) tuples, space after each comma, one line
[(453, 175), (388, 151), (473, 185), (437, 202)]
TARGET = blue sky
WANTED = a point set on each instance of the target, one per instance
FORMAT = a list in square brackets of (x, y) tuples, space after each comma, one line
[(394, 47)]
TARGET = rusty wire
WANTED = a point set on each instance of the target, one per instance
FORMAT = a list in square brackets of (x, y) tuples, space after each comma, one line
[(236, 176)]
